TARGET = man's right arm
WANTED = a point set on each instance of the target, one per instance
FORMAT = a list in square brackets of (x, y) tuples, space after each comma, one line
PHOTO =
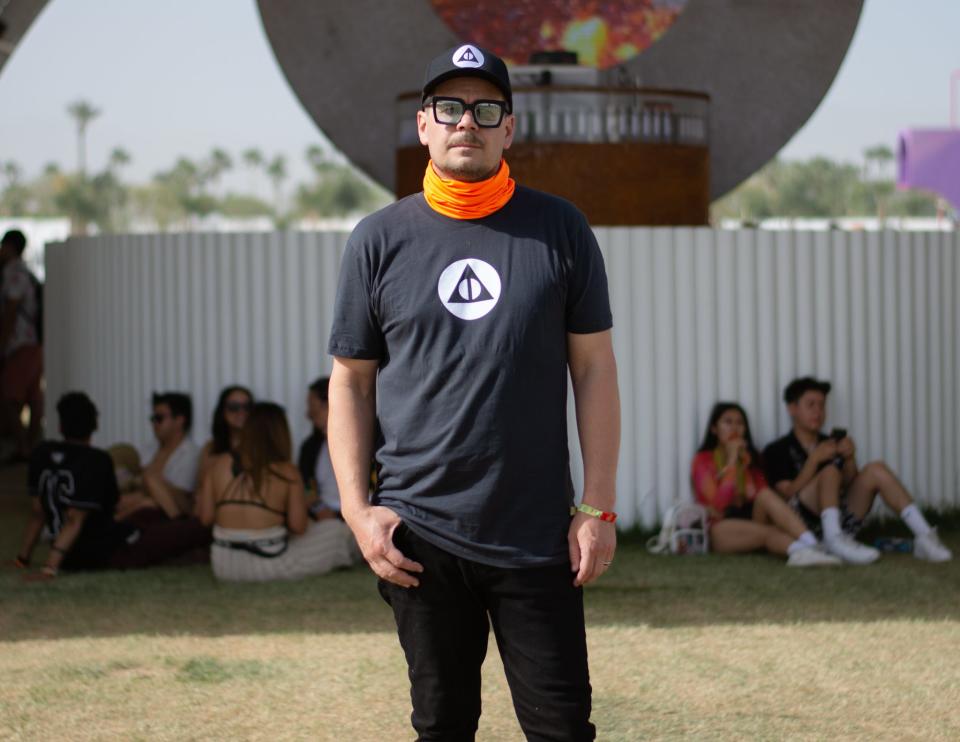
[(352, 394), (790, 487)]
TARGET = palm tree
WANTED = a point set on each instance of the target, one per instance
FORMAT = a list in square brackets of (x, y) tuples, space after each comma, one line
[(119, 157), (317, 157), (12, 172), (83, 113), (253, 160), (277, 172), (218, 164)]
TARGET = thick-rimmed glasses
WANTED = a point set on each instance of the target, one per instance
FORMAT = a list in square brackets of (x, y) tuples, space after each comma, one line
[(487, 114)]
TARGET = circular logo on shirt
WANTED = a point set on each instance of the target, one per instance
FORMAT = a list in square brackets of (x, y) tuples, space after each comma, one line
[(469, 288), (468, 56)]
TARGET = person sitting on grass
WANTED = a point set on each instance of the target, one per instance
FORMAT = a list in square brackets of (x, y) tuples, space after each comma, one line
[(229, 416), (74, 493), (744, 513), (314, 458), (161, 478), (255, 501), (818, 475)]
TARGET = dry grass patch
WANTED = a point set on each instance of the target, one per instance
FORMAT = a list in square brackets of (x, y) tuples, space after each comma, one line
[(719, 648)]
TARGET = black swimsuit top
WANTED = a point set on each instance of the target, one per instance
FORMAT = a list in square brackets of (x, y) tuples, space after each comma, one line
[(257, 503)]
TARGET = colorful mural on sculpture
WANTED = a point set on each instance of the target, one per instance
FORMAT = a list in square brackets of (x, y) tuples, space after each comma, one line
[(603, 33)]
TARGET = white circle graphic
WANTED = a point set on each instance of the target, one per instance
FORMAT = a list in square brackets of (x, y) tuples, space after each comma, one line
[(469, 288), (468, 56)]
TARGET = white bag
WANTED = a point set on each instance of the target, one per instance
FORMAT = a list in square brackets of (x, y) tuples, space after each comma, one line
[(685, 530)]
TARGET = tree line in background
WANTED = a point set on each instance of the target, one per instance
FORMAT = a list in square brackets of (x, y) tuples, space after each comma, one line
[(191, 189), (822, 188), (187, 191)]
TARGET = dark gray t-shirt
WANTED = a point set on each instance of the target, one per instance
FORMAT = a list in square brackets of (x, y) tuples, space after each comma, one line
[(468, 319)]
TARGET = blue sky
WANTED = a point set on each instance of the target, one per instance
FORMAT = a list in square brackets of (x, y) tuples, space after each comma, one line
[(181, 77)]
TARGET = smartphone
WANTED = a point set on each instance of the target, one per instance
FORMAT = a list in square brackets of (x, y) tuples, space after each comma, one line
[(838, 434)]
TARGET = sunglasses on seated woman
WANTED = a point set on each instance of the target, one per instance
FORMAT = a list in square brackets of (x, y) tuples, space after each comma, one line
[(487, 114)]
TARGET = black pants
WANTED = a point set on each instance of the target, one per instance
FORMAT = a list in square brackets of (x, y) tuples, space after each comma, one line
[(537, 617)]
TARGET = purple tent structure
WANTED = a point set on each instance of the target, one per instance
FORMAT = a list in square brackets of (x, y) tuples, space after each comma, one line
[(930, 158)]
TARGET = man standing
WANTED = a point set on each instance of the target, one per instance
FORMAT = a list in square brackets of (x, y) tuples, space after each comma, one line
[(459, 312), (819, 476), (20, 343)]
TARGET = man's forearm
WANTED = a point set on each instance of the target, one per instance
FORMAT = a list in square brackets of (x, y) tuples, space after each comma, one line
[(168, 498), (598, 424), (350, 437), (64, 542)]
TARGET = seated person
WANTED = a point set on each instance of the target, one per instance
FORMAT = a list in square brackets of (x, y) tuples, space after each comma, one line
[(74, 494), (163, 475), (745, 515), (255, 501), (314, 459), (818, 475), (230, 414)]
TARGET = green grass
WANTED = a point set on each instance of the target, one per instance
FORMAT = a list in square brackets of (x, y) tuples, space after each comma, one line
[(711, 647)]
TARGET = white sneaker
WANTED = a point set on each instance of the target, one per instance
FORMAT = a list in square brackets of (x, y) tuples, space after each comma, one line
[(851, 551), (813, 556), (931, 549)]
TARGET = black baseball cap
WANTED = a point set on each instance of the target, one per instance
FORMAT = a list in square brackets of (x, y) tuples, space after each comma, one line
[(468, 60)]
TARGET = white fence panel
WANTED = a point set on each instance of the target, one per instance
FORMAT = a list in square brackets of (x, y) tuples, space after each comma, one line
[(700, 315)]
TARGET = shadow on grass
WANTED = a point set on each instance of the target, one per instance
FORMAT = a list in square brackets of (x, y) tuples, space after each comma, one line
[(640, 590)]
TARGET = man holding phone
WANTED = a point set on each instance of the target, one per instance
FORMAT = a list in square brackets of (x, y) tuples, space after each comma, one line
[(818, 475)]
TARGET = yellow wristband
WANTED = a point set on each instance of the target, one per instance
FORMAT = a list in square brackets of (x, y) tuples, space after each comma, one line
[(603, 515)]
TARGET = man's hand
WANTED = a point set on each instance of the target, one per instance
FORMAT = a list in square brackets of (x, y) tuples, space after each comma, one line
[(373, 527), (592, 543), (846, 448), (825, 451)]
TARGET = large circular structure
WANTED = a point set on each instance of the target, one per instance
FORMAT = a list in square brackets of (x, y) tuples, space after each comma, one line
[(765, 66)]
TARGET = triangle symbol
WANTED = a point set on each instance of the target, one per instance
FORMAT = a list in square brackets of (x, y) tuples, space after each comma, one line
[(469, 289), (467, 56)]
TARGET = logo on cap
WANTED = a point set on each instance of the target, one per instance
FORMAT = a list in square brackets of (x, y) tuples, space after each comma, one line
[(468, 56)]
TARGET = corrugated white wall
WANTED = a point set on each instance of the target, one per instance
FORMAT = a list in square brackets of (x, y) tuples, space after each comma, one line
[(700, 315)]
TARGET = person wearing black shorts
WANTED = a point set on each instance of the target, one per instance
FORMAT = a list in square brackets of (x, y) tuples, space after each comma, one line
[(818, 475), (459, 314)]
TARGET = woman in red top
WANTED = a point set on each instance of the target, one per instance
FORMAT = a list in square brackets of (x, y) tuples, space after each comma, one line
[(745, 514)]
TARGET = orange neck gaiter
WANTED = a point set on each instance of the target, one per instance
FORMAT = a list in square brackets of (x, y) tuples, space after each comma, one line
[(461, 200)]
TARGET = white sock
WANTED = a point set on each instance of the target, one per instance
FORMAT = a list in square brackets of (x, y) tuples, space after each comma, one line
[(830, 518), (807, 539), (915, 521)]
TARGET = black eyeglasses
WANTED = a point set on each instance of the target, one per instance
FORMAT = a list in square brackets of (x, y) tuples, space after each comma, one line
[(157, 419), (487, 114)]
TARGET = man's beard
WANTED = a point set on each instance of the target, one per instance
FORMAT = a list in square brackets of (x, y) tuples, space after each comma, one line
[(468, 170)]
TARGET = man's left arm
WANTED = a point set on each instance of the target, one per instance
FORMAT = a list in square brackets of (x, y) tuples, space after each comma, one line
[(593, 371), (171, 499), (848, 450)]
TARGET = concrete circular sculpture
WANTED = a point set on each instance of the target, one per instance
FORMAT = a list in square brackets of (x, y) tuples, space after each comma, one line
[(765, 66)]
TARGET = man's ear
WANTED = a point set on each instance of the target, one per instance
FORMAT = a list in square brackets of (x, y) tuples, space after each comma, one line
[(422, 128), (509, 124)]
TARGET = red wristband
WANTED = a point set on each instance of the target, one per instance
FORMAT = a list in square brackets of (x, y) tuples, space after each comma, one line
[(604, 515)]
